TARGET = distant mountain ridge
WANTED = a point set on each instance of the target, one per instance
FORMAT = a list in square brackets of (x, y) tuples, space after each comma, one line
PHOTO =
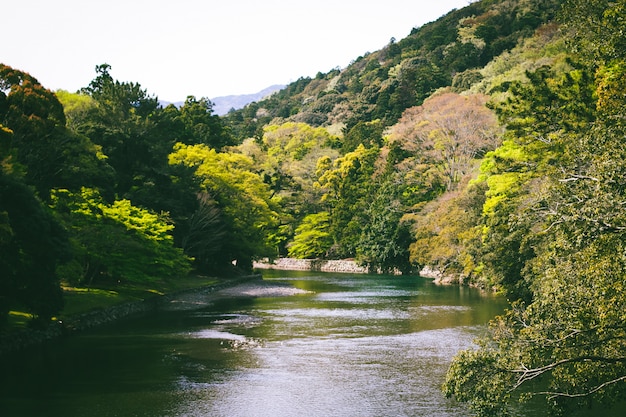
[(223, 104)]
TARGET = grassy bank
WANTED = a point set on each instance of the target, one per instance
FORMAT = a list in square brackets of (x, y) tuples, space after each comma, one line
[(79, 300)]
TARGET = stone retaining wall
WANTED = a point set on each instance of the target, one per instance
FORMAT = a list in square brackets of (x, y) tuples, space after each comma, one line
[(291, 264), (342, 266)]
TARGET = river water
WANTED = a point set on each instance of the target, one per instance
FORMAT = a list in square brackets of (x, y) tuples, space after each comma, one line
[(343, 346)]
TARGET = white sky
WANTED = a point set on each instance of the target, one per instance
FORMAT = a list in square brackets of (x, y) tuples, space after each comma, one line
[(206, 48)]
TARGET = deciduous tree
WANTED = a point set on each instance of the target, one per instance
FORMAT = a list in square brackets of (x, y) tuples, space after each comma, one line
[(246, 209)]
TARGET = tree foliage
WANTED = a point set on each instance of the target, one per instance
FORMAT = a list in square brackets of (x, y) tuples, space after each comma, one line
[(33, 244), (312, 239), (566, 342), (448, 133), (346, 183), (116, 242), (50, 154), (241, 196)]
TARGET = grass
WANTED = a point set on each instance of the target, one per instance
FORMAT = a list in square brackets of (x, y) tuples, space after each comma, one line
[(18, 319), (80, 300)]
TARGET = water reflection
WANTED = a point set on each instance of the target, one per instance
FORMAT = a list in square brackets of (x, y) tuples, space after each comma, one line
[(352, 346)]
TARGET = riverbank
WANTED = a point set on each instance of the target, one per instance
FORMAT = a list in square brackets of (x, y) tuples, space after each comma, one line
[(252, 288), (315, 265), (18, 339), (347, 266)]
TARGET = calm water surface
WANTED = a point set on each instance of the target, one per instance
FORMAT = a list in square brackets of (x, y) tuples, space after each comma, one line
[(353, 346)]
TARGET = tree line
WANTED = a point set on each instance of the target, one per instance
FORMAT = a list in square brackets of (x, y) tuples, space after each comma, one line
[(488, 145)]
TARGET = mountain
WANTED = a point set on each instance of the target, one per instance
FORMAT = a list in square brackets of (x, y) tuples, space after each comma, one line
[(448, 52), (223, 104)]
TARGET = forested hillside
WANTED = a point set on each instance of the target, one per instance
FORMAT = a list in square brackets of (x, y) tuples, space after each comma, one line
[(487, 145)]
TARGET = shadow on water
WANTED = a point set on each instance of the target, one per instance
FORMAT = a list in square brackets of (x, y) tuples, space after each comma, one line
[(349, 346)]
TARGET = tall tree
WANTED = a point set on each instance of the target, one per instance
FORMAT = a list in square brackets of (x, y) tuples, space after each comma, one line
[(384, 241), (50, 154), (450, 132), (568, 344), (243, 199), (116, 242), (122, 123), (33, 244), (202, 126), (347, 184)]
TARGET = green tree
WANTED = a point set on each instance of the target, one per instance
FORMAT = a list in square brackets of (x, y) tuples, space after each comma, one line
[(367, 134), (568, 343), (543, 117), (200, 125), (312, 239), (76, 107), (347, 184), (32, 244), (116, 242), (205, 232), (50, 154), (385, 238), (287, 155), (123, 124), (448, 232), (243, 199)]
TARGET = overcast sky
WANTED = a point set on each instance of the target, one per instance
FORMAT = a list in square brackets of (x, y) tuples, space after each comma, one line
[(206, 48)]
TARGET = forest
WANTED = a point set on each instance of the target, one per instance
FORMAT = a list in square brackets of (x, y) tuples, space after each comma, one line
[(487, 145)]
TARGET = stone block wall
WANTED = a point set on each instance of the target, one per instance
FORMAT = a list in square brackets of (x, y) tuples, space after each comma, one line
[(290, 264)]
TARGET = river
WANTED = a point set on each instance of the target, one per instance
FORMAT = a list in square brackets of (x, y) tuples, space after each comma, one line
[(341, 345)]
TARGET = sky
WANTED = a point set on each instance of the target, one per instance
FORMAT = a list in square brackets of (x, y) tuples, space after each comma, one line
[(205, 48)]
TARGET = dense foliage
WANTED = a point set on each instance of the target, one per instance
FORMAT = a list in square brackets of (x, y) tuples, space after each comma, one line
[(487, 145), (561, 221)]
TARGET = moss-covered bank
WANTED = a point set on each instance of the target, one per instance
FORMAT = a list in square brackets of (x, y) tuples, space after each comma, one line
[(17, 339)]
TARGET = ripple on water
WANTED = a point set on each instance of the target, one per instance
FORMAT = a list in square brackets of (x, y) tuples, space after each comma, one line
[(290, 315), (366, 376), (365, 296)]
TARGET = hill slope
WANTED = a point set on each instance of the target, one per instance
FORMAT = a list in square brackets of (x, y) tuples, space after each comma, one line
[(224, 104), (381, 85)]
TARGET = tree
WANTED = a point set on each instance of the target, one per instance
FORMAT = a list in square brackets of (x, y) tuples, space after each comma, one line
[(347, 185), (448, 232), (286, 156), (449, 131), (243, 199), (205, 233), (383, 245), (568, 342), (50, 154), (544, 117), (123, 124), (202, 126), (312, 239), (32, 244), (367, 134), (116, 242)]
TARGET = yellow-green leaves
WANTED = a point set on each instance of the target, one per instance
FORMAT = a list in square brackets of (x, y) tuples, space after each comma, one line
[(117, 241), (240, 194), (312, 238)]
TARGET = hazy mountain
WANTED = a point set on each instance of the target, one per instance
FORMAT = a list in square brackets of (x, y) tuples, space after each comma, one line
[(225, 103)]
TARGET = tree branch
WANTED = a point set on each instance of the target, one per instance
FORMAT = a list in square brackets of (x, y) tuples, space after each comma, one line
[(527, 374), (576, 177), (552, 395)]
